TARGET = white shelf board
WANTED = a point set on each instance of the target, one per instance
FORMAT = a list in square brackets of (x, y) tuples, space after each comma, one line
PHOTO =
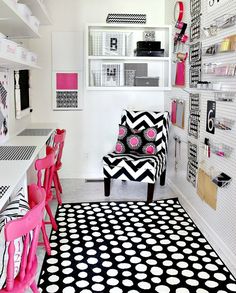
[(128, 88), (13, 24), (39, 10), (206, 91), (141, 58), (7, 61)]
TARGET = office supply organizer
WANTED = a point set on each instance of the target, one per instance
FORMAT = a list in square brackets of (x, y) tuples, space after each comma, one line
[(192, 169), (195, 7), (194, 102), (16, 152)]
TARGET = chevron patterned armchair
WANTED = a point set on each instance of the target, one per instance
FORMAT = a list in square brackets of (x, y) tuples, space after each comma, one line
[(132, 166)]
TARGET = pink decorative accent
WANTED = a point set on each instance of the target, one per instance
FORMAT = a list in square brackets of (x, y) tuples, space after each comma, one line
[(47, 165), (150, 150), (22, 227), (151, 133), (58, 143), (119, 148), (121, 131), (173, 111), (134, 141), (67, 81)]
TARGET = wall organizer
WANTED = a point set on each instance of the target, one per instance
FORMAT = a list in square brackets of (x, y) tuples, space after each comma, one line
[(192, 169)]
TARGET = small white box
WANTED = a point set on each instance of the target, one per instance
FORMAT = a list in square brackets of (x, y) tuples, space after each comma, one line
[(7, 46), (34, 22), (32, 57), (24, 11), (22, 53)]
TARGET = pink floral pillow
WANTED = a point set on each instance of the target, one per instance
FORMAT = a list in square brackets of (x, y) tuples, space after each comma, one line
[(136, 141)]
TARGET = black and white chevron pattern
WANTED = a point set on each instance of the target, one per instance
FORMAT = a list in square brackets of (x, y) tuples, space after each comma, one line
[(126, 18), (140, 167)]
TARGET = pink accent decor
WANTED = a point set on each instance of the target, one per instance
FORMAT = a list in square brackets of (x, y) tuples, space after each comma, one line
[(47, 165), (67, 81), (59, 141), (119, 148), (151, 133), (173, 112), (150, 150), (31, 222), (180, 74)]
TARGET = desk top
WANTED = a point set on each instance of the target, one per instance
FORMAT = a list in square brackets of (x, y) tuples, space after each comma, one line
[(12, 171)]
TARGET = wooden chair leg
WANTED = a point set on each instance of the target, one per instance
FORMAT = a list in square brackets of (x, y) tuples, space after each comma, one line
[(150, 192), (34, 287), (58, 194), (163, 178), (45, 239), (51, 217), (107, 186)]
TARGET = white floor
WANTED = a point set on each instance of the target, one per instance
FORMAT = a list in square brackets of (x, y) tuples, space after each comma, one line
[(76, 190)]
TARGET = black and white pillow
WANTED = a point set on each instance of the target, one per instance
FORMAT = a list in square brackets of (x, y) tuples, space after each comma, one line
[(16, 208)]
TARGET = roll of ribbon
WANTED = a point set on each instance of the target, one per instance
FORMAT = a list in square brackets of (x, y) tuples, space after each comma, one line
[(179, 11)]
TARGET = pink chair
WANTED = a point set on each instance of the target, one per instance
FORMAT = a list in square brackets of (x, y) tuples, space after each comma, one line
[(47, 165), (22, 227), (58, 144)]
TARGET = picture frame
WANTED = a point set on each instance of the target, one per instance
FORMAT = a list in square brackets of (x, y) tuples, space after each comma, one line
[(67, 91), (114, 44), (112, 74)]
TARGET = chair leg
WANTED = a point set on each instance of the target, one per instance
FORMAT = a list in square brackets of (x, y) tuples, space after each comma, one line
[(34, 287), (163, 178), (107, 186), (58, 182), (52, 219), (45, 239), (58, 194), (150, 192)]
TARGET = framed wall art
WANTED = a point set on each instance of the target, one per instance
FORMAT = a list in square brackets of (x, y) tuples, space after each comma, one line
[(4, 112), (66, 91)]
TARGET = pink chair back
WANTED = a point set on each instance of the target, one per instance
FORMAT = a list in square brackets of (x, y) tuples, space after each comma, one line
[(58, 143), (46, 164), (22, 227)]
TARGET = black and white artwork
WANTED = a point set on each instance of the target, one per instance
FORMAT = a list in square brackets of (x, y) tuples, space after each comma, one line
[(114, 44), (112, 74), (211, 115), (149, 36), (3, 190), (4, 112)]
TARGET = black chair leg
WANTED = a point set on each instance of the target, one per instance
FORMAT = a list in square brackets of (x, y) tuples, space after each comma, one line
[(163, 178), (107, 185), (150, 192)]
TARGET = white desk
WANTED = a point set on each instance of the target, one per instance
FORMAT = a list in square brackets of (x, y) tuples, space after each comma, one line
[(12, 172)]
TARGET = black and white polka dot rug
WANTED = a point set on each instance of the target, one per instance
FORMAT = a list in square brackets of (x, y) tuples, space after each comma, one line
[(115, 247)]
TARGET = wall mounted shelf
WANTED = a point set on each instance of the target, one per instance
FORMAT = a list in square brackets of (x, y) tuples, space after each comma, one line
[(39, 10), (13, 24), (10, 62)]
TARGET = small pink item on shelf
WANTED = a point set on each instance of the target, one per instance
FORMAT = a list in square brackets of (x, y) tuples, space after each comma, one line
[(173, 111)]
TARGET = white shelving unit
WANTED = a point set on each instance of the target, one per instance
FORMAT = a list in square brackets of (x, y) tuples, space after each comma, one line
[(13, 24), (39, 10), (156, 66)]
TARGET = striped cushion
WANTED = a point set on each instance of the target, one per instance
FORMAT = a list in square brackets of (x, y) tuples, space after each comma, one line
[(16, 208), (142, 168)]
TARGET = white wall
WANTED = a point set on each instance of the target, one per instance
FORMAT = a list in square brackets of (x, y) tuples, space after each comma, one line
[(91, 132)]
